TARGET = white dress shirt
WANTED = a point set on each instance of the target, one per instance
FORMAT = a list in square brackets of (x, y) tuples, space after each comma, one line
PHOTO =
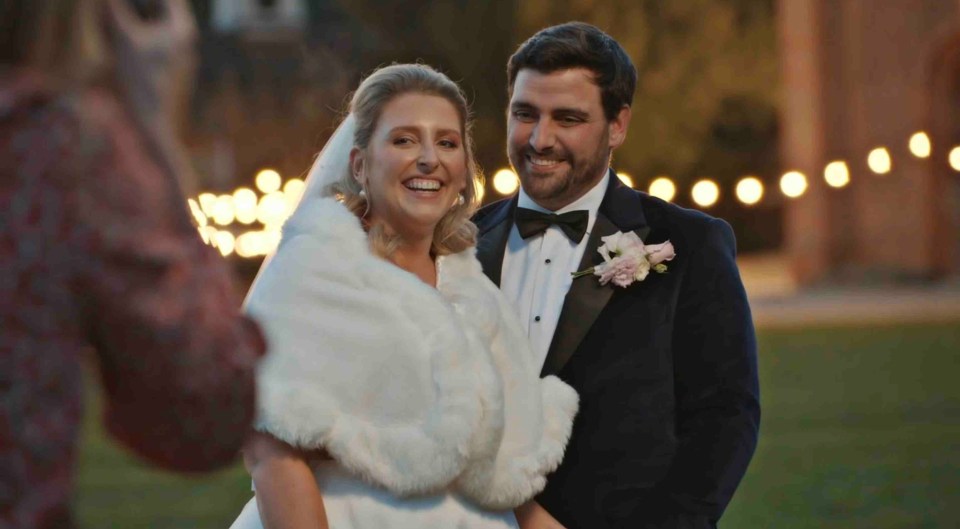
[(536, 271)]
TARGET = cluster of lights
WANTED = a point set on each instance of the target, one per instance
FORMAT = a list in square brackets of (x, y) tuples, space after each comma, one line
[(750, 190), (247, 222)]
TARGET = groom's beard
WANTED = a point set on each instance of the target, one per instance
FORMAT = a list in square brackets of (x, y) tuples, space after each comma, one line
[(563, 185)]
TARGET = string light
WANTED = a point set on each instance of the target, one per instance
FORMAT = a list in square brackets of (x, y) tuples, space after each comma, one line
[(245, 205), (197, 212), (705, 193), (272, 209), (879, 160), (955, 158), (250, 244), (225, 242), (793, 184), (480, 190), (750, 190), (207, 201), (268, 181), (506, 181), (663, 188), (279, 198), (223, 210), (836, 174), (209, 234), (920, 145)]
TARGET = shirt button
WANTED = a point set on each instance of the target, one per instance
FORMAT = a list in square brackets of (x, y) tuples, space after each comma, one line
[(547, 261), (537, 318)]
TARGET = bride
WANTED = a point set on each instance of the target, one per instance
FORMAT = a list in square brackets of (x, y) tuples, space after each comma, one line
[(399, 390)]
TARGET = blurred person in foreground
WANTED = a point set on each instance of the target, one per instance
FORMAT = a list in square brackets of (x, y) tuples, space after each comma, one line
[(97, 253)]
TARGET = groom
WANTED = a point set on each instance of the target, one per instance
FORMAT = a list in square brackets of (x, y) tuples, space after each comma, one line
[(665, 367)]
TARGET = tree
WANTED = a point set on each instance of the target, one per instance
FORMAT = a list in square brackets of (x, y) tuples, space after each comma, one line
[(706, 68)]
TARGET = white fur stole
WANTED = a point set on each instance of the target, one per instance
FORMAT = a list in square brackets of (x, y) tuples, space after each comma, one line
[(413, 388)]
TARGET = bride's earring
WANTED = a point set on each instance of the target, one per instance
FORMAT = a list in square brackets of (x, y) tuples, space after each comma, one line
[(461, 200), (363, 194), (363, 186)]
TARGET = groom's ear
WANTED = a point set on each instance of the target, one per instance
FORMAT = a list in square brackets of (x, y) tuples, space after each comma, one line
[(356, 164), (618, 127)]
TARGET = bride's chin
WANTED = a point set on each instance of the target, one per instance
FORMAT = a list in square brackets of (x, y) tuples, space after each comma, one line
[(413, 228)]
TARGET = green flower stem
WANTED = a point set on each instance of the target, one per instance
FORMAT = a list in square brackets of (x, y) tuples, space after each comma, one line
[(582, 273)]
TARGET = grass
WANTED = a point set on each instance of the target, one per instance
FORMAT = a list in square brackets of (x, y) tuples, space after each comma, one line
[(115, 490), (861, 429)]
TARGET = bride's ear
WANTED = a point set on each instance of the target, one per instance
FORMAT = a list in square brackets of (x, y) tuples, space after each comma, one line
[(356, 164)]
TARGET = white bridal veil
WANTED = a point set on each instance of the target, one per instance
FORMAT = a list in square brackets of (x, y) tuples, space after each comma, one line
[(331, 164)]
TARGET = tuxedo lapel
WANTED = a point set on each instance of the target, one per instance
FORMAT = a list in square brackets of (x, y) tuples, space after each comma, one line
[(619, 211), (583, 303), (494, 232)]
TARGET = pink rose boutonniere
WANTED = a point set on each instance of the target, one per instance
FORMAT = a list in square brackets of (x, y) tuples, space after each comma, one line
[(626, 259)]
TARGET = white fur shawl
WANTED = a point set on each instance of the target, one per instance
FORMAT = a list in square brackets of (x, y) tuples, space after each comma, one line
[(413, 388)]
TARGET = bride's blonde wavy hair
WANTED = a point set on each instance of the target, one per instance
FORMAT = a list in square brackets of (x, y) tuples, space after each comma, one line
[(454, 232)]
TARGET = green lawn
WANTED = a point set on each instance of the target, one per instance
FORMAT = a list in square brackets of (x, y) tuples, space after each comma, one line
[(861, 429)]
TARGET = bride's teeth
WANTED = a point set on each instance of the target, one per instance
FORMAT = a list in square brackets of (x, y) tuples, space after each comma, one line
[(423, 185)]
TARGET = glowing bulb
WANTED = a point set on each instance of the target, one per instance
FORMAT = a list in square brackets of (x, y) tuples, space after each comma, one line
[(505, 182), (663, 188), (223, 210), (197, 212), (750, 190), (209, 235), (955, 158), (293, 190), (271, 239), (879, 160), (479, 190), (249, 244), (272, 209), (626, 179), (225, 242), (836, 174), (268, 181), (920, 145), (793, 184), (705, 193), (207, 202), (245, 205)]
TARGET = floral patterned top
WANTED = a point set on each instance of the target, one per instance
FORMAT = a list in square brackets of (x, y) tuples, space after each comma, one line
[(97, 253)]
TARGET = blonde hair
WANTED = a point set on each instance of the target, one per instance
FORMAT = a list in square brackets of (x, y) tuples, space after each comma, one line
[(65, 39), (454, 232)]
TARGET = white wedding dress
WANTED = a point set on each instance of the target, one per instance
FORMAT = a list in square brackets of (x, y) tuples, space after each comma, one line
[(352, 504)]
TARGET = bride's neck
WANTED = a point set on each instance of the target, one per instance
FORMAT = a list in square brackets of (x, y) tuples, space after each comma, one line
[(413, 254), (416, 259)]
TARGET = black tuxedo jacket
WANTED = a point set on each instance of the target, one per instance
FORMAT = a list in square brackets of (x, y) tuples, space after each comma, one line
[(666, 370)]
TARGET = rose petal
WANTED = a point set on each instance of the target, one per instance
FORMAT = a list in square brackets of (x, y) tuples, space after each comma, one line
[(658, 253), (629, 241)]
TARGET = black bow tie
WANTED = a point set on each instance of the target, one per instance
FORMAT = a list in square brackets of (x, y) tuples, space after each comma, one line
[(531, 222)]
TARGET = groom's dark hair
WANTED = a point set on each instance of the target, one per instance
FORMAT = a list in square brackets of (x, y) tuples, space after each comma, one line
[(579, 45)]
